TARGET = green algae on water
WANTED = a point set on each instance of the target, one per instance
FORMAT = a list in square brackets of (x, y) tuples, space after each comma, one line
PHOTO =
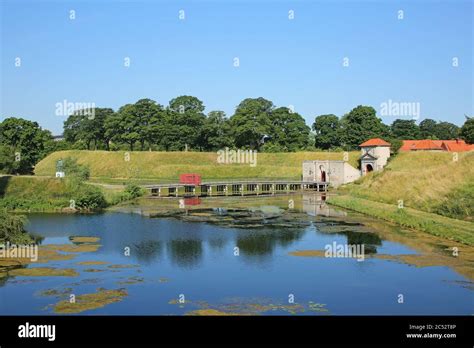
[(44, 272), (87, 302), (84, 240), (92, 263)]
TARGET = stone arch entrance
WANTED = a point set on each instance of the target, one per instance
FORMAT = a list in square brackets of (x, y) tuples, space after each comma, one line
[(369, 168), (323, 173)]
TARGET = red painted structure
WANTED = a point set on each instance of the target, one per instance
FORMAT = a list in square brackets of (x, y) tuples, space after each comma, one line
[(190, 178), (192, 201)]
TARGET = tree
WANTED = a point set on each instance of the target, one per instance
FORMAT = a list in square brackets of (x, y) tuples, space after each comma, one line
[(446, 131), (88, 127), (98, 124), (135, 123), (182, 124), (59, 145), (7, 160), (361, 124), (467, 130), (251, 121), (12, 228), (327, 130), (395, 144), (113, 128), (428, 128), (28, 141), (216, 132), (288, 130), (150, 115), (128, 129), (72, 128), (405, 129), (186, 103)]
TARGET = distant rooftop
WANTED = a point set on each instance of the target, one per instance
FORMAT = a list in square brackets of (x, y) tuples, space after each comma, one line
[(457, 145), (374, 142), (58, 137)]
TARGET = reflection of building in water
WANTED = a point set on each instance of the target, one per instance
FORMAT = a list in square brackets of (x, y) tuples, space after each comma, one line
[(315, 204), (192, 201)]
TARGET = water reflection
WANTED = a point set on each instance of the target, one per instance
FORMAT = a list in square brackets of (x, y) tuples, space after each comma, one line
[(217, 243), (262, 243), (148, 251), (266, 232), (185, 253), (315, 205), (369, 240)]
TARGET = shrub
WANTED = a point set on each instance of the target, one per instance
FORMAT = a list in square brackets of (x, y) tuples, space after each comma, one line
[(12, 228), (133, 191), (89, 198), (75, 170)]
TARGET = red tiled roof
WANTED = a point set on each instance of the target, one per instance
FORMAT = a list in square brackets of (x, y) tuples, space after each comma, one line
[(375, 142), (457, 146), (440, 145), (427, 144), (408, 145)]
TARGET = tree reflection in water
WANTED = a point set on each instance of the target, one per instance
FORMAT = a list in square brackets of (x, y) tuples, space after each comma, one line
[(261, 243), (148, 251), (185, 253), (369, 240)]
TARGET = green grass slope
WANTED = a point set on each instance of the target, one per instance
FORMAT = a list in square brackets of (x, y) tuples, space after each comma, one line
[(42, 194), (166, 166), (441, 226), (427, 181), (35, 194)]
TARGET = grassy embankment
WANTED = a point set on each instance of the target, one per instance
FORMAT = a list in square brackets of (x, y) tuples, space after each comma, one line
[(111, 167), (35, 194), (43, 194), (46, 193), (437, 194)]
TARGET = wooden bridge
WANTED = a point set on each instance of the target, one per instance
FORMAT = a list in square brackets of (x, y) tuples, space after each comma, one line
[(235, 188)]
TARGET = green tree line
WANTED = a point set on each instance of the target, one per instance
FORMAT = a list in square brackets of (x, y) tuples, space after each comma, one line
[(182, 124), (362, 123)]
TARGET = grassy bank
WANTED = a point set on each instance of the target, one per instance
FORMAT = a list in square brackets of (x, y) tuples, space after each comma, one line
[(35, 194), (166, 166), (441, 226), (427, 181)]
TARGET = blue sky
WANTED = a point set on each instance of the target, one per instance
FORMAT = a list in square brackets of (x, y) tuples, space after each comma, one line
[(295, 62)]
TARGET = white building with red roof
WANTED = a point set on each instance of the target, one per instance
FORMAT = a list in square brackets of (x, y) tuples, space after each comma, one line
[(375, 155)]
